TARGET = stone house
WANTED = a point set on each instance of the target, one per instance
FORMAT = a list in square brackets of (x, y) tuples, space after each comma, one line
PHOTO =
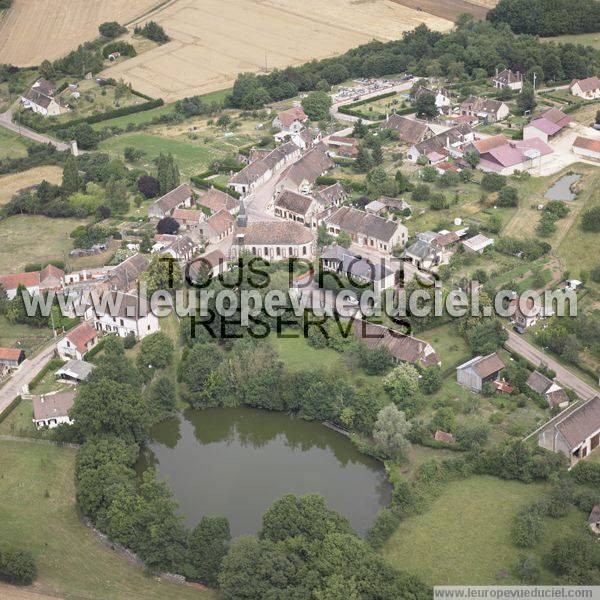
[(11, 357), (587, 89), (550, 390), (182, 196), (78, 341), (508, 79), (296, 207), (52, 410)]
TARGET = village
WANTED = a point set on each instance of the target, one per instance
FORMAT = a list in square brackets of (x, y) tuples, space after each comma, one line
[(393, 184)]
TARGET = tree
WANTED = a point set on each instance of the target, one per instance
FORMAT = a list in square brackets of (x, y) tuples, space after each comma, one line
[(164, 273), (71, 182), (527, 569), (360, 129), (344, 239), (377, 154), (118, 196), (111, 29), (208, 544), (472, 157), (390, 431), (421, 193), (508, 197), (224, 121), (167, 225), (590, 220), (153, 31), (377, 360), (316, 105), (425, 106), (47, 70), (85, 136), (526, 99), (438, 202), (493, 182), (431, 380), (402, 384), (17, 567), (3, 299), (167, 173), (156, 351), (363, 162), (429, 174), (148, 186)]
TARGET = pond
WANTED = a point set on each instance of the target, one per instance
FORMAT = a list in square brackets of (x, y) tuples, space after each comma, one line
[(561, 190), (236, 462)]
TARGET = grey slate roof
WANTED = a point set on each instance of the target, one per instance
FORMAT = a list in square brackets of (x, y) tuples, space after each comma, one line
[(76, 369), (356, 221), (352, 264)]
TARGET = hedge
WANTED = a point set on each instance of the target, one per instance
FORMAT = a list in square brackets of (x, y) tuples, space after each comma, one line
[(53, 364), (205, 184)]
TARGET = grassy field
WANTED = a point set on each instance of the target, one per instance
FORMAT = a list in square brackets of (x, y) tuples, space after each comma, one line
[(12, 145), (190, 157), (29, 338), (38, 512), (10, 184), (19, 420), (135, 118), (587, 39), (465, 536), (34, 239), (448, 343)]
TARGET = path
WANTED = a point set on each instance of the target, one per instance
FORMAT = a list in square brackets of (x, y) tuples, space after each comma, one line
[(23, 375), (7, 123), (536, 356)]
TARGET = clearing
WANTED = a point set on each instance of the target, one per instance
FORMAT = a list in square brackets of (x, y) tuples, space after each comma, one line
[(213, 41), (464, 537), (38, 495), (12, 145), (17, 235), (450, 9), (11, 184), (35, 30), (587, 39)]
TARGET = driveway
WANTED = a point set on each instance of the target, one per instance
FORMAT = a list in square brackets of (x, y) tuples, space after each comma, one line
[(536, 356), (23, 375), (6, 122)]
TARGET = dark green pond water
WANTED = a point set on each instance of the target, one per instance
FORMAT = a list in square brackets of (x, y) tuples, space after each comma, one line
[(237, 462)]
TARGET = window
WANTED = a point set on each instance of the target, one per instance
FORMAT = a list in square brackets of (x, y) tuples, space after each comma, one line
[(254, 250), (304, 250), (278, 251), (290, 251), (266, 251), (122, 322)]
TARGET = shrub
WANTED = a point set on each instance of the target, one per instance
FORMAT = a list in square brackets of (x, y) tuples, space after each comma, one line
[(586, 473), (17, 567), (383, 527), (111, 29), (527, 528)]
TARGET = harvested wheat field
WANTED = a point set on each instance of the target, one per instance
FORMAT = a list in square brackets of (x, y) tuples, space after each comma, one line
[(33, 30), (213, 41), (11, 184), (450, 9)]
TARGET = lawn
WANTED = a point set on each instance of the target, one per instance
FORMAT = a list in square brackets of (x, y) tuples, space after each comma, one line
[(138, 118), (19, 420), (587, 39), (448, 343), (464, 537), (38, 513), (12, 145), (29, 338), (190, 157), (34, 239), (11, 184)]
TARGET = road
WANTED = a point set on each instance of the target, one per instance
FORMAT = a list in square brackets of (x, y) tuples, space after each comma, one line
[(536, 356), (6, 122), (27, 370)]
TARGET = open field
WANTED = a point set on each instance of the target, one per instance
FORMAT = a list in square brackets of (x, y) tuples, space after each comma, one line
[(38, 512), (213, 41), (12, 145), (587, 39), (29, 338), (34, 239), (34, 30), (450, 9), (10, 184), (465, 536)]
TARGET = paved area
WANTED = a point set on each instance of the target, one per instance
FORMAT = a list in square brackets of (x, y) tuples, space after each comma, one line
[(6, 122), (22, 376), (536, 356)]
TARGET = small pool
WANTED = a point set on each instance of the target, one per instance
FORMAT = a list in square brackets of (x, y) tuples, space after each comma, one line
[(561, 190)]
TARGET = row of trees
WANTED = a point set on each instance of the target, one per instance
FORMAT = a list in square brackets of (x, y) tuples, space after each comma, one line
[(472, 50)]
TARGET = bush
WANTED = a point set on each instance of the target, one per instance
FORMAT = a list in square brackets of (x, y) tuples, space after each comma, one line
[(527, 528), (123, 48), (383, 527), (18, 567), (153, 31), (492, 182), (586, 473), (590, 220), (111, 29)]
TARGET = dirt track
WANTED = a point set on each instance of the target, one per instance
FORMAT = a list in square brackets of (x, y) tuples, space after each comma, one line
[(446, 9)]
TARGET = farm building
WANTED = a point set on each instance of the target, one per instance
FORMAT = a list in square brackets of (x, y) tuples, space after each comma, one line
[(181, 196), (479, 370), (410, 131), (292, 120), (11, 357), (217, 227), (587, 148), (215, 200), (75, 371), (485, 109), (554, 394), (216, 262), (478, 243), (302, 175), (52, 410), (188, 218), (575, 432), (527, 313), (547, 126), (331, 195), (125, 275), (40, 99), (49, 278), (78, 341)]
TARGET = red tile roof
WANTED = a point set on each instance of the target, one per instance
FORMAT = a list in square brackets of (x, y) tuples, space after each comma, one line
[(581, 142), (81, 336), (287, 117), (11, 354), (12, 282), (589, 84)]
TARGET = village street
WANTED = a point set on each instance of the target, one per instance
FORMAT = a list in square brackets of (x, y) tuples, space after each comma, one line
[(536, 356), (6, 122)]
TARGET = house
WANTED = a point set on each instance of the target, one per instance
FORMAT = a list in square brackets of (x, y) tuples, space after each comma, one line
[(527, 315), (52, 410), (40, 99), (181, 196), (337, 259), (442, 97), (498, 155), (188, 219), (274, 240), (296, 207), (508, 79), (260, 171), (587, 148), (78, 341), (394, 204), (302, 175), (485, 109), (547, 126), (410, 131), (331, 195), (443, 436), (375, 207), (443, 145), (588, 89), (75, 371), (125, 275), (594, 519), (217, 227), (550, 390), (182, 249), (346, 147), (49, 278), (425, 253), (478, 243), (575, 432), (573, 284), (292, 120), (11, 357), (214, 200), (404, 348), (479, 370), (216, 262), (123, 314), (363, 228)]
